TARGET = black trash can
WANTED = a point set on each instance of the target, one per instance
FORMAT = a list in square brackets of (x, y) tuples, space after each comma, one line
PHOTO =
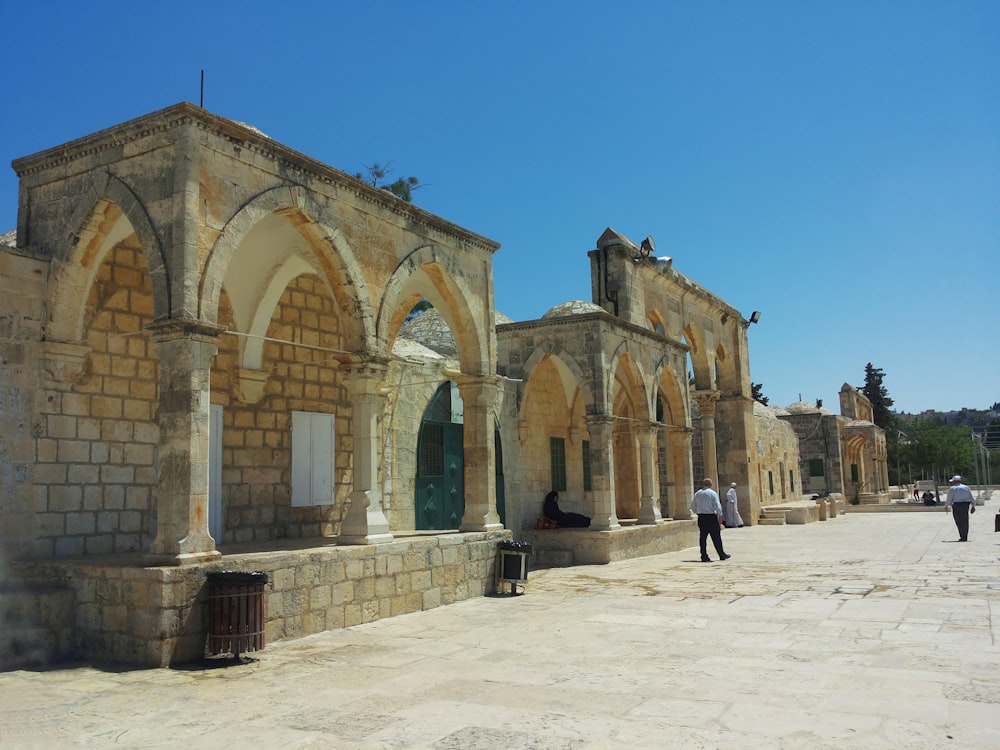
[(512, 563), (235, 612)]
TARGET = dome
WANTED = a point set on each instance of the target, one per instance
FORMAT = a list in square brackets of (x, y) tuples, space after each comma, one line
[(500, 319), (801, 407), (431, 330), (573, 307)]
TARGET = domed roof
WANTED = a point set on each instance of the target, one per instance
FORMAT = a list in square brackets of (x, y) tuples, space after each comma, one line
[(405, 348), (802, 407), (500, 319), (573, 307), (431, 330)]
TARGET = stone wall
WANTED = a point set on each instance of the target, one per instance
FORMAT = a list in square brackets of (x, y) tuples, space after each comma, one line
[(156, 616)]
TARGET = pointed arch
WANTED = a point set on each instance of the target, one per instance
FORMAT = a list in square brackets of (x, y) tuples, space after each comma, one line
[(108, 213), (626, 369), (672, 394), (423, 274), (327, 254), (570, 373)]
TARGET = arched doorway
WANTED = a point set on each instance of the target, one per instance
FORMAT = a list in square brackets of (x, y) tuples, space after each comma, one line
[(439, 488)]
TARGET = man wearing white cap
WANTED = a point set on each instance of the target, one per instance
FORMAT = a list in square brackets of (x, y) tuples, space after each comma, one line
[(962, 503), (733, 518)]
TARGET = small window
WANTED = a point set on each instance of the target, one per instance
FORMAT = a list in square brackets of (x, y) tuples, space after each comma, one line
[(312, 458), (770, 481), (791, 481), (587, 486), (816, 467), (557, 462), (854, 473)]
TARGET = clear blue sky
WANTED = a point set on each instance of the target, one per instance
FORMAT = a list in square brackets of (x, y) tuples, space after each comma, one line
[(835, 165)]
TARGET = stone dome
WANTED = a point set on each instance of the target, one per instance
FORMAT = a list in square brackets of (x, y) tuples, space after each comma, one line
[(802, 407), (431, 330), (573, 307)]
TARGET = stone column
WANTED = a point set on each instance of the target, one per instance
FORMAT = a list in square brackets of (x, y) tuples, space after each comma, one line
[(649, 504), (602, 473), (365, 521), (706, 407), (479, 393), (683, 471), (185, 349)]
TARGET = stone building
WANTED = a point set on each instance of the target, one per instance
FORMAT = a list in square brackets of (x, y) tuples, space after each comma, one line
[(198, 334), (841, 454), (212, 361)]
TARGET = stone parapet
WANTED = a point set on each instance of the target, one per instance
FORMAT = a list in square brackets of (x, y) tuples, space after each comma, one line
[(156, 616), (586, 547)]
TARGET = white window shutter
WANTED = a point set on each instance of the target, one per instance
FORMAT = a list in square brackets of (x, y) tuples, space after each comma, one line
[(312, 458)]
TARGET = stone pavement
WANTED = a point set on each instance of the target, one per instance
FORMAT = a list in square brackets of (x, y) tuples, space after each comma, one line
[(869, 631)]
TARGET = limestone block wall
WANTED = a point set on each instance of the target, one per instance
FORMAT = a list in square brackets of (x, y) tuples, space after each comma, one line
[(158, 616), (97, 430), (546, 414), (776, 458), (256, 434), (22, 280)]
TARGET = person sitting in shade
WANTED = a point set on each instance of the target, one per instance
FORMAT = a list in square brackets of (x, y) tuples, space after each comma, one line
[(564, 520)]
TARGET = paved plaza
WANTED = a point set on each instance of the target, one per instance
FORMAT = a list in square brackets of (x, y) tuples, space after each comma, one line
[(873, 630)]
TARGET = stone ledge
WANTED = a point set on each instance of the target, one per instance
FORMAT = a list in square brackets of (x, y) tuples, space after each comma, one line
[(586, 547)]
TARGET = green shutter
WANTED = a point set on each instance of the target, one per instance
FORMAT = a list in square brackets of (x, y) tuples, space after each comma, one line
[(587, 487), (557, 459)]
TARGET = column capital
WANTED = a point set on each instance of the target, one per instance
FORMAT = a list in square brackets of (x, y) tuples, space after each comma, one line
[(363, 374), (176, 328), (706, 401)]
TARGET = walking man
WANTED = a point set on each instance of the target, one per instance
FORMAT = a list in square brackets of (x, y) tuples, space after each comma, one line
[(707, 506), (962, 503)]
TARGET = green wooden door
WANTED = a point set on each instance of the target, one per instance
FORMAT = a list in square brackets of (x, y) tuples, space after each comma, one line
[(440, 500)]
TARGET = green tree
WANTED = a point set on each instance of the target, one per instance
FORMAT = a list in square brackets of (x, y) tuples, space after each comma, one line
[(756, 395), (379, 176), (937, 450), (875, 391)]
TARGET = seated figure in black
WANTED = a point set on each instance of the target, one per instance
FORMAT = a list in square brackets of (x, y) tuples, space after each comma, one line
[(551, 510)]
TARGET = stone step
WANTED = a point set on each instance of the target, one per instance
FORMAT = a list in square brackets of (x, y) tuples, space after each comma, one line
[(772, 520)]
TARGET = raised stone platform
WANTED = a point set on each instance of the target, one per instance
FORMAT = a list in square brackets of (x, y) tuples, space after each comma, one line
[(564, 547), (124, 611), (802, 511)]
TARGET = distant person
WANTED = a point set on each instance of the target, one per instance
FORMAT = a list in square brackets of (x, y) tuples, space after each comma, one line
[(706, 505), (564, 520), (916, 491), (962, 503), (731, 510), (929, 499)]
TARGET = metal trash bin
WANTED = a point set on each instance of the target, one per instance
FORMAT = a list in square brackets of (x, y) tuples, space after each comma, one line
[(235, 612), (512, 563)]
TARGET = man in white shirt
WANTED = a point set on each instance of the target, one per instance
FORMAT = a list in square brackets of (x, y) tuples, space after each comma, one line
[(962, 503), (707, 506)]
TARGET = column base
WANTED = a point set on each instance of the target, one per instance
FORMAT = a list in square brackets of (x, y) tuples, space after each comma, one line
[(158, 559), (649, 511)]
